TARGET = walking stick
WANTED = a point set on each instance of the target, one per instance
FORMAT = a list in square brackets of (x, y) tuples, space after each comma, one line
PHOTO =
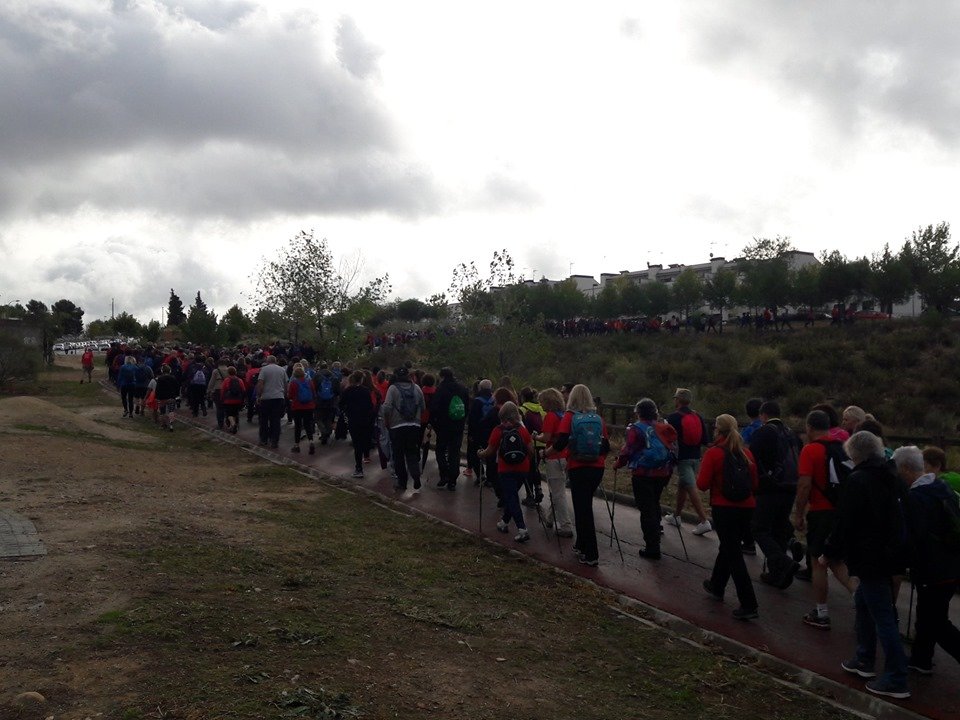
[(613, 528), (481, 477), (614, 510), (680, 533), (910, 610)]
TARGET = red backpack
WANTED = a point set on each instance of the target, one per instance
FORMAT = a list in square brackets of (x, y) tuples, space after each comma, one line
[(691, 429)]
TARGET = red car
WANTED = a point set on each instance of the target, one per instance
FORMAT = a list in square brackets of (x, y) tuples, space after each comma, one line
[(871, 315)]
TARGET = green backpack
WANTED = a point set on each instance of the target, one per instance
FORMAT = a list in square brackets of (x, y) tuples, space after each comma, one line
[(456, 409)]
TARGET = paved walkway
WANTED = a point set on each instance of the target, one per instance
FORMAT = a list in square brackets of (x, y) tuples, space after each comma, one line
[(672, 585), (18, 538)]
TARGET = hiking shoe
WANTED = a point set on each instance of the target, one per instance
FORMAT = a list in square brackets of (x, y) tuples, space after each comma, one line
[(814, 619), (708, 586), (357, 474), (742, 613), (888, 689), (312, 449), (565, 533), (855, 667), (585, 561), (522, 536), (803, 574), (748, 549), (416, 483), (796, 550), (649, 553), (921, 669), (468, 472), (672, 520), (703, 528), (529, 501), (502, 526), (295, 448), (441, 483)]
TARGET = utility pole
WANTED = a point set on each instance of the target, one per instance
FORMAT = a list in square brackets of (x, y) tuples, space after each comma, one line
[(111, 308)]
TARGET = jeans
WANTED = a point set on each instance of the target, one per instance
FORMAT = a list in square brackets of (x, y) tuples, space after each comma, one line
[(876, 621), (646, 496), (325, 418), (772, 529), (405, 442), (362, 436), (449, 439), (556, 472), (730, 523), (126, 397), (271, 418), (933, 624), (510, 483), (584, 482), (221, 413)]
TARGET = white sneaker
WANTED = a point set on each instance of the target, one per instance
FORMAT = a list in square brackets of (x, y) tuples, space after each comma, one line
[(672, 520), (522, 536), (703, 528), (502, 526)]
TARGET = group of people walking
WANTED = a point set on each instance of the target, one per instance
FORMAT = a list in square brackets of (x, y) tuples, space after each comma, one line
[(841, 503)]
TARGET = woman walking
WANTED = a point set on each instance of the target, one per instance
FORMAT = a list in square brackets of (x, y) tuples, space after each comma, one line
[(555, 461), (729, 472), (583, 430), (302, 397)]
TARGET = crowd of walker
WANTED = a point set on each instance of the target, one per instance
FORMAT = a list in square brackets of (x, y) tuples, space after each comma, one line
[(867, 515)]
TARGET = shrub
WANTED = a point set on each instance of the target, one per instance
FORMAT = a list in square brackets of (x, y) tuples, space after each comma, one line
[(18, 362)]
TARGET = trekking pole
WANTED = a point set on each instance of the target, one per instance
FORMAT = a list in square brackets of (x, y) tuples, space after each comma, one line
[(482, 479), (682, 542), (910, 610), (614, 509), (613, 528)]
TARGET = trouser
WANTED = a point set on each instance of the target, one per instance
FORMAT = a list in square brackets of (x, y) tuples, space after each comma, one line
[(876, 620), (646, 496), (473, 462), (325, 417), (730, 523), (271, 417), (405, 444), (251, 405), (127, 393), (196, 397), (303, 423), (584, 482), (772, 529), (361, 434), (221, 413), (510, 487), (448, 441), (933, 624), (556, 473), (230, 411), (342, 426)]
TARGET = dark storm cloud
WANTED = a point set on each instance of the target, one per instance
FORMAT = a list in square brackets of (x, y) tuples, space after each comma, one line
[(194, 108), (860, 60)]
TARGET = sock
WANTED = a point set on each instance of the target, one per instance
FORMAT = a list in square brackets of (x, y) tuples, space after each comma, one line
[(822, 610)]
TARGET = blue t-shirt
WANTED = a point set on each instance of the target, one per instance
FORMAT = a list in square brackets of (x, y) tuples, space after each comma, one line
[(749, 430)]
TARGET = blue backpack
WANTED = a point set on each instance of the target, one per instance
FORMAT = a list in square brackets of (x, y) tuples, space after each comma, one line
[(325, 391), (304, 391), (654, 456), (586, 435)]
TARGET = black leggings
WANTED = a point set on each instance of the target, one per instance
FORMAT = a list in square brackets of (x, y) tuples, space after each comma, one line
[(303, 422), (127, 395), (361, 434)]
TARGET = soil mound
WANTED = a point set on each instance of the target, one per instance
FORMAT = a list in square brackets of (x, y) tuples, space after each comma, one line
[(32, 415)]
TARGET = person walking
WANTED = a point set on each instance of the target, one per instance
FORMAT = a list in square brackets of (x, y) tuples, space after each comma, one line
[(691, 437), (448, 413), (167, 391), (584, 432), (86, 364), (271, 397), (729, 473), (403, 406), (555, 461), (301, 396), (232, 394), (357, 406), (127, 383), (511, 444)]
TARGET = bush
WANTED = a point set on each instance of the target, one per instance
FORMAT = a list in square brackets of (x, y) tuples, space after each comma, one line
[(18, 362)]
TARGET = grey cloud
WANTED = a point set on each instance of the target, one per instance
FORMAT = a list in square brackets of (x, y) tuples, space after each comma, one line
[(357, 55), (200, 110), (502, 190), (859, 60)]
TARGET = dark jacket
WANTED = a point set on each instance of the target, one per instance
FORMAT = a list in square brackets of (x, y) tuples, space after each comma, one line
[(476, 427), (685, 451), (765, 446), (930, 562), (440, 404), (870, 533)]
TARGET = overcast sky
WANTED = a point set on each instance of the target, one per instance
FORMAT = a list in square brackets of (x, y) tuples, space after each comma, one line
[(158, 144)]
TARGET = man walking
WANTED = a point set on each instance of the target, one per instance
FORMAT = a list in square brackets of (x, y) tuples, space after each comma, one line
[(448, 416), (271, 398), (402, 409), (691, 436), (776, 449)]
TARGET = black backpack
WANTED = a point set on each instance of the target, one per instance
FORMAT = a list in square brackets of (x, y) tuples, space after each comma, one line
[(737, 483), (513, 449), (839, 467), (784, 473)]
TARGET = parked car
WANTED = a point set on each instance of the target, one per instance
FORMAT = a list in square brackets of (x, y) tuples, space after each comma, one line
[(871, 315)]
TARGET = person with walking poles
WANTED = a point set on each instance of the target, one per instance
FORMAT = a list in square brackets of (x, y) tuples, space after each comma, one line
[(776, 450), (729, 473), (448, 416), (650, 451), (511, 444), (402, 408), (870, 534), (691, 437), (584, 432), (555, 462), (932, 517)]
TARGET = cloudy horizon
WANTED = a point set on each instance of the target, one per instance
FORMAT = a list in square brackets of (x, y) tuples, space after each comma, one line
[(157, 144)]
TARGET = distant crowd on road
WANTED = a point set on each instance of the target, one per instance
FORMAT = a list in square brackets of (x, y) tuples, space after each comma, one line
[(841, 503)]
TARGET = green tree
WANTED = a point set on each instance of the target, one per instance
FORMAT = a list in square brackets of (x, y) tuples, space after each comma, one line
[(125, 325), (269, 324), (151, 332), (806, 287), (566, 301), (836, 278), (765, 273), (632, 299), (98, 329), (175, 313), (934, 266), (235, 324), (890, 282), (720, 290), (659, 299), (687, 291), (201, 324), (412, 310), (68, 316)]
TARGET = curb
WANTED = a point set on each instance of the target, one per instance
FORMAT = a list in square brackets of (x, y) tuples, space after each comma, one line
[(840, 696)]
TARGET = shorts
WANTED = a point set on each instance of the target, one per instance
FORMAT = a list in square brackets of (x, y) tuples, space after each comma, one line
[(165, 406), (687, 473), (820, 524)]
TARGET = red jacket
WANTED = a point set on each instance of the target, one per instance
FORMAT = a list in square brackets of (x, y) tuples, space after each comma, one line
[(293, 392), (710, 477)]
